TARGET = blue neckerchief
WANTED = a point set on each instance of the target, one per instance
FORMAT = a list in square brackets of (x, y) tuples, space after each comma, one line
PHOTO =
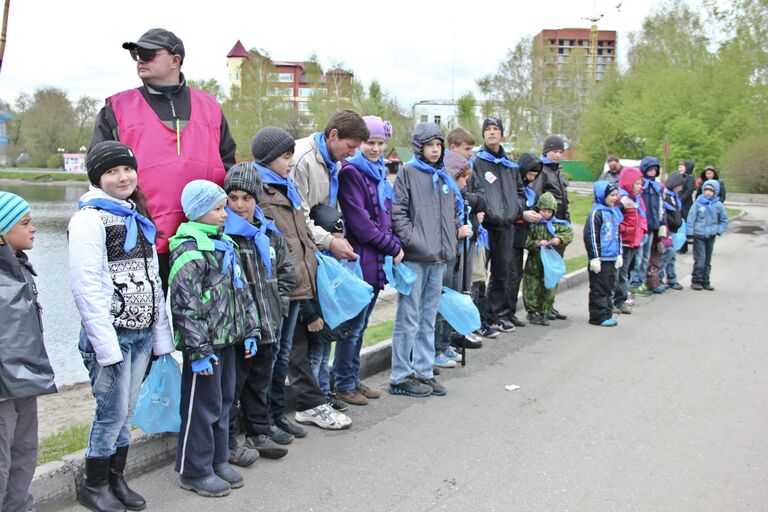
[(330, 164), (236, 225), (133, 221), (506, 162), (229, 260), (530, 197), (551, 223), (436, 175), (670, 207), (546, 160), (702, 200), (270, 177), (640, 205), (613, 210), (656, 185), (377, 172), (482, 238)]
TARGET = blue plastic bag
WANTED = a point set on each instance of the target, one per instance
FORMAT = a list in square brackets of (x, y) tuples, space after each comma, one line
[(554, 266), (157, 407), (340, 292), (459, 311), (678, 238), (399, 275)]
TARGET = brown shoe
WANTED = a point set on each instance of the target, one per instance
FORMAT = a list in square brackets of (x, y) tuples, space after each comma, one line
[(352, 397), (367, 392)]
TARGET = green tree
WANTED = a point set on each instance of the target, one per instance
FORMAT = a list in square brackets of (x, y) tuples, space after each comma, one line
[(466, 116), (86, 109), (745, 165), (209, 85), (49, 125)]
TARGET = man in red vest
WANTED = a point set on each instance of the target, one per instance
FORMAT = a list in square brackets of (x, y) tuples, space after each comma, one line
[(178, 133)]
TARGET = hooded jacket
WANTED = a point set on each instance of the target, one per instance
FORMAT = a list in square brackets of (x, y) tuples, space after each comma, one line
[(551, 179), (702, 179), (652, 190), (707, 217), (528, 163), (634, 226), (689, 187), (423, 218), (672, 202), (601, 232), (502, 188), (208, 309)]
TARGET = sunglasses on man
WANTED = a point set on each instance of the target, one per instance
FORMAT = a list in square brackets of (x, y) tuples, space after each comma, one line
[(144, 54)]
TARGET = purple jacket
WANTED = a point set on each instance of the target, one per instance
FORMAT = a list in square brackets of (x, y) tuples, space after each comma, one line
[(367, 228)]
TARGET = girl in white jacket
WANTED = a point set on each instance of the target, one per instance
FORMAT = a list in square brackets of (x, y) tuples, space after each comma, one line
[(113, 274)]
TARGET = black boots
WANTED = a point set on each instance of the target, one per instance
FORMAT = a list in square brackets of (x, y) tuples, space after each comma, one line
[(130, 499), (94, 492)]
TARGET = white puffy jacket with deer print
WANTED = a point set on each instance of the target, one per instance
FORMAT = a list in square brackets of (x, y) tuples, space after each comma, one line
[(113, 288)]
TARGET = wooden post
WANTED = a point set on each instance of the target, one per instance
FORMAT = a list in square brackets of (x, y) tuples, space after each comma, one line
[(4, 31)]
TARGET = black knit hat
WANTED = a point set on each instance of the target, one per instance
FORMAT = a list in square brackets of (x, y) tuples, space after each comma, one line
[(106, 155), (269, 143), (494, 121), (244, 176), (674, 180), (552, 143)]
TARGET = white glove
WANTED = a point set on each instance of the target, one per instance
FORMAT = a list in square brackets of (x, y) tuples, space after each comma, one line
[(619, 261), (594, 265)]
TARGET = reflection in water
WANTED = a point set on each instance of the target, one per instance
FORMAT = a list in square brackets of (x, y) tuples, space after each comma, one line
[(52, 206)]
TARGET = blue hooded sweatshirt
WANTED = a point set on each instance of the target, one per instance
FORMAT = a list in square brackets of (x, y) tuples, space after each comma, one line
[(707, 217), (652, 193), (601, 232)]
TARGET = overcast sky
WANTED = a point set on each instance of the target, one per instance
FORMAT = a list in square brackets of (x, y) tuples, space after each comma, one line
[(412, 48)]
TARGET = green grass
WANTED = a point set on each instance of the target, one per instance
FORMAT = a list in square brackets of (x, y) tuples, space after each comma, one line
[(732, 212), (378, 332), (54, 447), (43, 176), (575, 263), (579, 206)]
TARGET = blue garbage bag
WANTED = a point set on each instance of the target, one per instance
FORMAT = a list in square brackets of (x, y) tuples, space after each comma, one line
[(554, 266), (399, 275), (157, 407), (678, 238), (459, 311), (341, 292)]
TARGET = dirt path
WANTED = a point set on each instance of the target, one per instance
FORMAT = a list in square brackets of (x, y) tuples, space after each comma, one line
[(72, 406)]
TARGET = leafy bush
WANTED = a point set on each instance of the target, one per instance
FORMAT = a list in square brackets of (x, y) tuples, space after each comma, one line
[(55, 161), (745, 164)]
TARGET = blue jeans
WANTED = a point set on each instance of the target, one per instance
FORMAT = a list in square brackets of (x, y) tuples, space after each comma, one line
[(319, 355), (346, 358), (630, 255), (637, 276), (283, 344), (668, 262), (702, 259), (413, 338), (116, 389)]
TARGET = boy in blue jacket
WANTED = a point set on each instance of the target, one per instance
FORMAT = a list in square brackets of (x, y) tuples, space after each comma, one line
[(645, 277), (706, 220), (603, 243)]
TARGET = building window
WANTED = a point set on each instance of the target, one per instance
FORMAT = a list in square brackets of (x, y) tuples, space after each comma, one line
[(424, 118), (437, 120), (280, 91), (304, 106), (285, 77), (305, 92)]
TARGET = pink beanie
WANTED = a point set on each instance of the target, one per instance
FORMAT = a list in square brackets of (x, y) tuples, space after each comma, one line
[(379, 129)]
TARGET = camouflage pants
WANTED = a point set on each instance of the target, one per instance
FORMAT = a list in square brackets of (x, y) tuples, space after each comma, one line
[(535, 296)]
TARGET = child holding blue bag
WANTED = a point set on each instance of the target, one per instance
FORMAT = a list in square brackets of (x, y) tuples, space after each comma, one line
[(114, 277), (548, 232)]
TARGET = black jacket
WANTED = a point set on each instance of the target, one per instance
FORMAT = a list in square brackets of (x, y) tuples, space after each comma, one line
[(689, 187), (502, 189), (551, 180), (178, 106), (674, 217)]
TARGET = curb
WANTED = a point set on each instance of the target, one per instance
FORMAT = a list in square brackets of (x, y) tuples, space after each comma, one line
[(54, 485)]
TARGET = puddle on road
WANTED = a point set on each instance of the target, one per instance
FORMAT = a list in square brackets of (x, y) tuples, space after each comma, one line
[(749, 230)]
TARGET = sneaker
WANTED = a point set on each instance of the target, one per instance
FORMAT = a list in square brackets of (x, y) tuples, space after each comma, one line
[(243, 456), (368, 392), (437, 388), (353, 396), (474, 338), (443, 362), (537, 318), (266, 447), (336, 403), (452, 354), (410, 387), (324, 417), (640, 291), (228, 473), (212, 486), (659, 289), (464, 342), (625, 309), (486, 331), (285, 425), (556, 315), (708, 287), (609, 323), (502, 325), (616, 310), (279, 435), (630, 302), (696, 286), (675, 286), (435, 370), (516, 321)]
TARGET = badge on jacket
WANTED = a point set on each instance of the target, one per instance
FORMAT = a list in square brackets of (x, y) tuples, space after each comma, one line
[(490, 177), (445, 189)]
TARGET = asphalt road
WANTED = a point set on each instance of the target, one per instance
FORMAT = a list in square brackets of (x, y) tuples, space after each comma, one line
[(666, 412)]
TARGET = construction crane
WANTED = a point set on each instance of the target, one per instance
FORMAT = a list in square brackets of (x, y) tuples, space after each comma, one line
[(593, 56)]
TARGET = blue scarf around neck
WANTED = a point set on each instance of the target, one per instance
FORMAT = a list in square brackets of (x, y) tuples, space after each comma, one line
[(270, 177), (488, 157), (672, 207), (705, 201), (655, 184), (436, 175), (551, 223), (377, 172), (530, 197), (236, 225), (615, 211), (330, 164), (133, 221), (547, 161), (229, 263)]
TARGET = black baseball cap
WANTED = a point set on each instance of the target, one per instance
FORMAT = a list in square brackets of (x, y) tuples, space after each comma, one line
[(157, 38)]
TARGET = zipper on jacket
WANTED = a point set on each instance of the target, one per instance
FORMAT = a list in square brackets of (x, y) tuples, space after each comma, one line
[(176, 127)]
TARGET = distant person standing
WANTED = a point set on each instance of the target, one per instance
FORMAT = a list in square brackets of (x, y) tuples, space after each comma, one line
[(611, 175), (178, 133)]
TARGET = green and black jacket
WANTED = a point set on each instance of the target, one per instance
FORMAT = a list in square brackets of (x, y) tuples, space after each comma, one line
[(208, 310)]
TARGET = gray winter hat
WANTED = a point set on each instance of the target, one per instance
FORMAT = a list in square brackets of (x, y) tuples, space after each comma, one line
[(269, 143), (246, 177), (552, 143)]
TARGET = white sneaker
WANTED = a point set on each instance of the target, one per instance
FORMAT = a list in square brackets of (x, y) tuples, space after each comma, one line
[(473, 337), (452, 354), (325, 417), (441, 361)]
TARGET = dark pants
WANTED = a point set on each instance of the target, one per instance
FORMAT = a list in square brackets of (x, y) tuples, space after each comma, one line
[(500, 281), (601, 286), (164, 269), (300, 376), (205, 404), (516, 276), (621, 292), (652, 276), (18, 452), (346, 359), (443, 329), (254, 376), (702, 259), (280, 359)]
